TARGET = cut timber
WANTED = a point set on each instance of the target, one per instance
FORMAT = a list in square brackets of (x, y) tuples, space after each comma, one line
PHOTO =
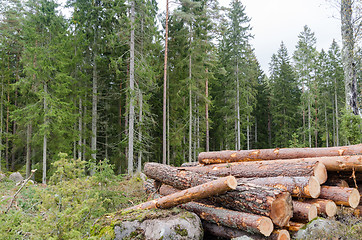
[(324, 206), (336, 182), (296, 186), (244, 221), (264, 169), (304, 211), (267, 201), (277, 153), (227, 232), (341, 196), (190, 164), (205, 190), (294, 226)]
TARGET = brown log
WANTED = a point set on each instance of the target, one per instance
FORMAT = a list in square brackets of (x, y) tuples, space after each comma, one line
[(336, 182), (342, 196), (218, 186), (324, 206), (267, 201), (296, 186), (264, 169), (277, 153), (244, 221), (304, 211), (294, 226), (227, 232)]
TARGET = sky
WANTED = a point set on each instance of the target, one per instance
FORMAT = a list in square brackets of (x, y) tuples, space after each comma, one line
[(274, 21)]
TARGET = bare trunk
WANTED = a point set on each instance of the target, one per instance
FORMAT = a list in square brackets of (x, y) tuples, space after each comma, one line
[(80, 124), (1, 119), (165, 90), (237, 106), (336, 111), (45, 134), (131, 86), (139, 161), (247, 126), (309, 123), (28, 149), (94, 101), (326, 121), (190, 104), (207, 113), (348, 41)]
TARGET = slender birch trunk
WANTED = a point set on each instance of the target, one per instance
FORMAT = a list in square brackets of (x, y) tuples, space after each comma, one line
[(131, 86)]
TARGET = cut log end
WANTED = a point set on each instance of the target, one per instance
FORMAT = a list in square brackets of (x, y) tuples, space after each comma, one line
[(312, 213), (231, 182), (331, 209), (282, 209), (354, 198), (314, 187), (320, 172), (266, 226), (282, 234)]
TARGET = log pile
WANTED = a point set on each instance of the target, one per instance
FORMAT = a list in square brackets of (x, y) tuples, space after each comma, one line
[(263, 194)]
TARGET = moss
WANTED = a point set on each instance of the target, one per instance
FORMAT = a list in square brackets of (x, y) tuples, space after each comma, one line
[(181, 231), (107, 233)]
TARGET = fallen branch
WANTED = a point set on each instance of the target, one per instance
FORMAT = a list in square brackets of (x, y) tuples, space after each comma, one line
[(17, 192)]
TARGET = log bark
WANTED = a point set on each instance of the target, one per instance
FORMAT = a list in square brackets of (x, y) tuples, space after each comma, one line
[(277, 153), (324, 206), (297, 186), (218, 186), (342, 196), (227, 232), (336, 182), (304, 211), (267, 201), (244, 221), (264, 169)]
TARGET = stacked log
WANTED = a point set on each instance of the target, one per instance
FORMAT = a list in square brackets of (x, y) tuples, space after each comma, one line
[(281, 188)]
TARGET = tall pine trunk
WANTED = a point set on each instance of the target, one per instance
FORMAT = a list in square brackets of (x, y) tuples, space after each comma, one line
[(80, 130), (165, 91), (1, 118), (131, 86), (94, 100), (326, 121), (28, 149), (336, 111), (207, 112), (139, 162), (45, 140), (237, 106)]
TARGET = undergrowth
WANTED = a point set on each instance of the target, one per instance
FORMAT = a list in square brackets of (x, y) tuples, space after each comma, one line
[(69, 205)]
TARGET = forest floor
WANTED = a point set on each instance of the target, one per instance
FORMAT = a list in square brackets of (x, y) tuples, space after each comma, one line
[(66, 209)]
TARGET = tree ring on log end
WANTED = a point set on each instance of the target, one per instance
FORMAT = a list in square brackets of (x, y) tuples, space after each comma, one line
[(312, 213), (266, 226), (231, 182), (320, 172), (354, 198), (314, 187), (281, 209), (283, 235), (331, 209)]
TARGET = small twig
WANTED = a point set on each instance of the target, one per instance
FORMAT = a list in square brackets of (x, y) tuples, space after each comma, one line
[(17, 192), (354, 177)]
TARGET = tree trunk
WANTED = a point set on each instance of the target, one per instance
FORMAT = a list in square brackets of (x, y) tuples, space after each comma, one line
[(218, 186), (304, 211), (230, 233), (165, 90), (348, 42), (28, 149), (139, 161), (1, 118), (45, 134), (297, 186), (80, 124), (265, 169), (260, 200), (244, 221), (324, 206), (336, 111), (326, 121), (190, 104), (131, 86), (94, 100), (207, 112), (277, 153), (342, 196), (336, 182), (237, 106)]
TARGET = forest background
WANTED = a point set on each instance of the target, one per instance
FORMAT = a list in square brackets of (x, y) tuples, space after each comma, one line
[(92, 86)]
